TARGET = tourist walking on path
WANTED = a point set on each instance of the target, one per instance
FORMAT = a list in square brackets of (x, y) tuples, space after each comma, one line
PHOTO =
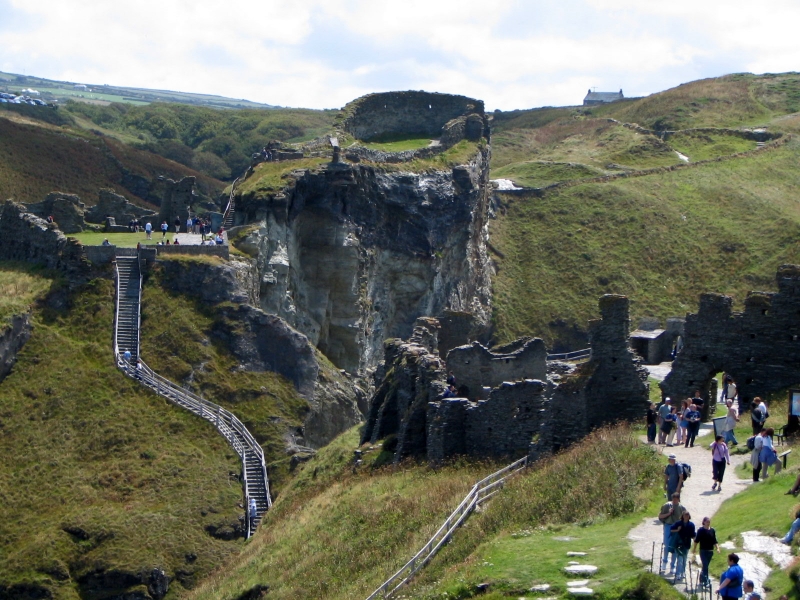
[(164, 228), (731, 580), (148, 229), (693, 417), (758, 415), (720, 458), (768, 455), (652, 417), (673, 477), (730, 423), (663, 411), (670, 513), (683, 533), (706, 539), (683, 422), (755, 457), (670, 425)]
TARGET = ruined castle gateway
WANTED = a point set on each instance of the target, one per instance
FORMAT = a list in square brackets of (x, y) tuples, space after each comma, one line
[(351, 254), (759, 347), (396, 114), (540, 408)]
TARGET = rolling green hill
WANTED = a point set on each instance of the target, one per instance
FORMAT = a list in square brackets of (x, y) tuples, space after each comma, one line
[(661, 236)]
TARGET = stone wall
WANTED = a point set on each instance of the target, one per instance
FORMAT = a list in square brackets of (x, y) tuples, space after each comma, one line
[(178, 197), (476, 368), (561, 406), (223, 251), (406, 113), (759, 347)]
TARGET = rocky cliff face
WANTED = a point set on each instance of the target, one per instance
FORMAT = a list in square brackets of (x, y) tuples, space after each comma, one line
[(265, 342), (12, 338), (351, 255)]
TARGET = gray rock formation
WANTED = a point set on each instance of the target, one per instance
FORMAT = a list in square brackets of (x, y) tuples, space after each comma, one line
[(352, 255), (265, 342), (12, 338), (178, 197), (111, 204), (67, 211)]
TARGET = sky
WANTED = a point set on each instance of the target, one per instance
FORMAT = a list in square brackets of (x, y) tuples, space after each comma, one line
[(512, 54)]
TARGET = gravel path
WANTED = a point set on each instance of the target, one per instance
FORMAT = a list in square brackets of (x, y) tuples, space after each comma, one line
[(696, 495)]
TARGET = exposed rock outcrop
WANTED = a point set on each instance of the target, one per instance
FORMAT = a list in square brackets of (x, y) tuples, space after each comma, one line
[(67, 211), (265, 342), (111, 204), (28, 238), (352, 255), (12, 338)]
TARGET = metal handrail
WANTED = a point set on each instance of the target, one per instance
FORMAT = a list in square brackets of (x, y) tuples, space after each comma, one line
[(577, 354), (231, 428), (476, 495), (230, 198)]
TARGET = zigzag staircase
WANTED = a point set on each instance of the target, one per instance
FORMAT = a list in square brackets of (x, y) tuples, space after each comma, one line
[(126, 337)]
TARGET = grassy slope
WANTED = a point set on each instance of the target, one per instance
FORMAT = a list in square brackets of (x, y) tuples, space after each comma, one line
[(661, 239), (36, 159), (20, 286), (178, 342), (87, 449), (335, 534)]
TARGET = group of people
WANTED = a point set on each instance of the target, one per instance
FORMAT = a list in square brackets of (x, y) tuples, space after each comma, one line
[(681, 536), (668, 420)]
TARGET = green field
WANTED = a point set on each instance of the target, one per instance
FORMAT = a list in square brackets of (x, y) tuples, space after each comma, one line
[(123, 240)]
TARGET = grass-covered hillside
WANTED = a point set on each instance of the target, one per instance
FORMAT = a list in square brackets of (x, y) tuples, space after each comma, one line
[(663, 238), (37, 158), (181, 340), (335, 533), (101, 481)]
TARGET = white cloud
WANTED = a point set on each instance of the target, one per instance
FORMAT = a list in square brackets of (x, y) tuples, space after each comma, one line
[(323, 54)]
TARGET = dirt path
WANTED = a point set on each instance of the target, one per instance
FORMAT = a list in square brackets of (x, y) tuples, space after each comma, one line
[(696, 495)]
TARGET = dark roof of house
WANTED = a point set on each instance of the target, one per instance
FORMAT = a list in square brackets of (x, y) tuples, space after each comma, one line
[(603, 96)]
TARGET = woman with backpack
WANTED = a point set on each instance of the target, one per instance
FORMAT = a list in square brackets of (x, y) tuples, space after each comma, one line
[(720, 458), (768, 456)]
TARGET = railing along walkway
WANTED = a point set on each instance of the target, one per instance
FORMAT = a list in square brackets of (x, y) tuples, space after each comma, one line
[(576, 356), (254, 472), (480, 492)]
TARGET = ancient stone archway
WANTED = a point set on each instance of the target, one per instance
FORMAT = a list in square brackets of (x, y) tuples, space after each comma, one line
[(759, 347)]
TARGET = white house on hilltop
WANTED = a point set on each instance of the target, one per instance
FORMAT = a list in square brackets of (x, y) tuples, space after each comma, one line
[(595, 98)]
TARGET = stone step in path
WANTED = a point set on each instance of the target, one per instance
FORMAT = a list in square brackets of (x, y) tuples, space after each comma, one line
[(126, 338)]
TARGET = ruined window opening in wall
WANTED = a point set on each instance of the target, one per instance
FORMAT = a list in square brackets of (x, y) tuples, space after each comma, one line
[(704, 358), (691, 383), (614, 378), (507, 360), (749, 380), (613, 359), (752, 336)]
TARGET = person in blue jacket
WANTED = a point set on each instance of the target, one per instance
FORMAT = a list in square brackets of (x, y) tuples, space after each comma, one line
[(731, 580)]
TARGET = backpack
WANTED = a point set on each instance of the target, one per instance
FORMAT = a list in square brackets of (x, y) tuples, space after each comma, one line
[(687, 470), (751, 443)]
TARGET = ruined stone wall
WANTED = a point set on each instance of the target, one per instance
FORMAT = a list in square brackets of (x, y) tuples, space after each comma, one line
[(611, 387), (405, 113), (475, 367), (111, 204), (12, 338), (67, 211), (759, 347), (178, 197)]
